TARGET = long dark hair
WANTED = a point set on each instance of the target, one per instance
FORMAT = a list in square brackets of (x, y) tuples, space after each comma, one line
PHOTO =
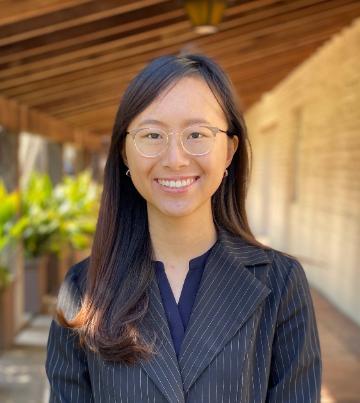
[(120, 269)]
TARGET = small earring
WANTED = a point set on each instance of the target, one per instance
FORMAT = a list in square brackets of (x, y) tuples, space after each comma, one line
[(226, 173), (127, 172)]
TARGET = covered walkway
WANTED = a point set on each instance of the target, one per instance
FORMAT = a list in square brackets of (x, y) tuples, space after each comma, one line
[(64, 65)]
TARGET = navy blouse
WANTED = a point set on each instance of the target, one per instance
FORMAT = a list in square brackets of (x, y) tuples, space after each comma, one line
[(178, 315)]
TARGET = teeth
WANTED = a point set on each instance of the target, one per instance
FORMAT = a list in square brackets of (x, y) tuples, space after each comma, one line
[(176, 184)]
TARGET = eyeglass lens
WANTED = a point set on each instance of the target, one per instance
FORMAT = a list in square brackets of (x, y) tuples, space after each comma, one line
[(196, 140)]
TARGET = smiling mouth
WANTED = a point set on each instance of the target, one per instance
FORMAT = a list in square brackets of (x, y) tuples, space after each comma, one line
[(176, 184)]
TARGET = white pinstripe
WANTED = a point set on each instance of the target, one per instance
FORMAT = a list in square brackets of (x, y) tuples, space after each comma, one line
[(271, 357)]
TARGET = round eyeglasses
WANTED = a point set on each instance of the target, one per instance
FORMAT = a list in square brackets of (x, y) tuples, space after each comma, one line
[(195, 140)]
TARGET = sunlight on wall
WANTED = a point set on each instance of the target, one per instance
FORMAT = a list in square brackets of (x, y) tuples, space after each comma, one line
[(326, 396)]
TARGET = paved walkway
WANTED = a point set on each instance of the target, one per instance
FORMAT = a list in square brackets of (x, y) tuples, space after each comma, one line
[(22, 374), (340, 345)]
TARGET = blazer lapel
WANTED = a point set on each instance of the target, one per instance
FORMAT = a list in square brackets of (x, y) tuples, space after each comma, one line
[(227, 297), (163, 367)]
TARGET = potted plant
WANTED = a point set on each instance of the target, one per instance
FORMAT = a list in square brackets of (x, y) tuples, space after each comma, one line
[(9, 205), (7, 312), (36, 228), (77, 202)]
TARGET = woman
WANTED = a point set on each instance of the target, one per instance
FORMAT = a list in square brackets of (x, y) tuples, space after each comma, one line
[(178, 302)]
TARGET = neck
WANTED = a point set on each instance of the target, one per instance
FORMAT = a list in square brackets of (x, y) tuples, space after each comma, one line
[(179, 239)]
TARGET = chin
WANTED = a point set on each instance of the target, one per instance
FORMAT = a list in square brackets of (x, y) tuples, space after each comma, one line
[(179, 210), (176, 213)]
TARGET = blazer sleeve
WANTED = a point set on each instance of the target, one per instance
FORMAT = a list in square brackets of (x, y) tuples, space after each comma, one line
[(296, 365), (66, 363)]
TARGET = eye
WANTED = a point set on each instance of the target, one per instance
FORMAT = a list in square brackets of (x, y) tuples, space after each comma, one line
[(195, 135), (149, 135), (198, 134), (153, 135)]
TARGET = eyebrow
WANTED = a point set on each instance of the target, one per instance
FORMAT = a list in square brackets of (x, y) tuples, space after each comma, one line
[(159, 122)]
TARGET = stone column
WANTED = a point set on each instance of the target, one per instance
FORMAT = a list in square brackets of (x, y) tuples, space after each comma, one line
[(13, 256), (55, 169), (55, 161), (9, 167)]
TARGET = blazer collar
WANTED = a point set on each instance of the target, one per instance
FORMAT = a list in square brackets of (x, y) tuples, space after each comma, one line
[(225, 282)]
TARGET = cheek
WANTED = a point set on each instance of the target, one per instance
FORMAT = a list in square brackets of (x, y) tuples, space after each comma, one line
[(141, 185), (138, 165), (140, 170), (215, 165), (213, 173)]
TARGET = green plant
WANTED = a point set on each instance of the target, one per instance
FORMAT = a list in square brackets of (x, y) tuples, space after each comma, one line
[(5, 277), (39, 221), (77, 201), (56, 216), (9, 206)]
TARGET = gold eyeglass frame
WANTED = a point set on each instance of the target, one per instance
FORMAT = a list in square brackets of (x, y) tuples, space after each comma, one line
[(133, 132)]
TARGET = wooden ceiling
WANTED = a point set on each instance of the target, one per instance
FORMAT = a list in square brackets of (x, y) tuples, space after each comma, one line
[(65, 63)]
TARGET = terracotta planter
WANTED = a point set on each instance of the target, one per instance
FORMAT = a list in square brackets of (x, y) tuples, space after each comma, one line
[(35, 284), (58, 266), (7, 315), (65, 262), (53, 268)]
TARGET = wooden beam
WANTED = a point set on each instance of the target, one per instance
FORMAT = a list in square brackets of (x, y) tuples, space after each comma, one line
[(176, 39), (92, 12), (249, 46), (91, 105), (326, 27), (32, 48), (155, 15), (227, 57), (15, 11), (17, 118)]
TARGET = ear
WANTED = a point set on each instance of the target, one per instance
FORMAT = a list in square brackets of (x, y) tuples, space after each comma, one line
[(233, 143)]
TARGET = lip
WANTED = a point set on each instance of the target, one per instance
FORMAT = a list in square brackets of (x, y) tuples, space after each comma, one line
[(177, 190), (178, 178)]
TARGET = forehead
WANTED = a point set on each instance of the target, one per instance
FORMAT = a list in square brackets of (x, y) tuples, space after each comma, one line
[(189, 98)]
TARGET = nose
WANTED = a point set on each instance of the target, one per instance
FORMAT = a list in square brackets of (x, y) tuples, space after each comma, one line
[(174, 156)]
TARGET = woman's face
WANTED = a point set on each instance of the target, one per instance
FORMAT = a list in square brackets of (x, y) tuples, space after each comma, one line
[(189, 99)]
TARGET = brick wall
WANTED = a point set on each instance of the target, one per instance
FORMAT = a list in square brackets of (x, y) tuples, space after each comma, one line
[(305, 186)]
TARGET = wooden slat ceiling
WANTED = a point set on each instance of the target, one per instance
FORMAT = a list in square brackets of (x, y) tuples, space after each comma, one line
[(65, 63)]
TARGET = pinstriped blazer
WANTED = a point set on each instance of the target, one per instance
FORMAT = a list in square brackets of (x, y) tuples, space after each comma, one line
[(252, 337)]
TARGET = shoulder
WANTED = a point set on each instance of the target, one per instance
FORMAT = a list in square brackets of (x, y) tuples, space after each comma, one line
[(286, 274), (267, 262), (276, 269), (287, 282), (285, 264), (273, 267), (72, 288)]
